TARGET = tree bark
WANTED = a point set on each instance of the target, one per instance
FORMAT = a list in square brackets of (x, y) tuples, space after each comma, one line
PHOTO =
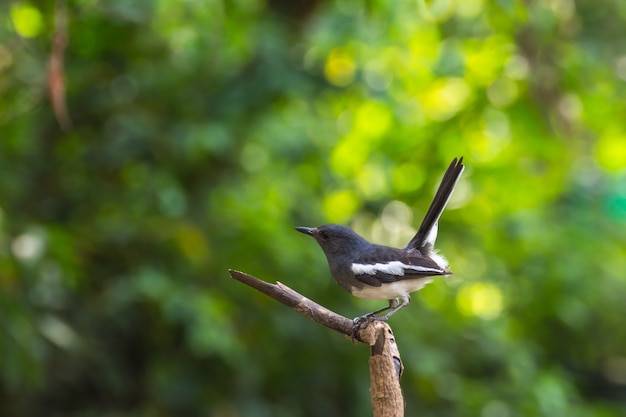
[(385, 372)]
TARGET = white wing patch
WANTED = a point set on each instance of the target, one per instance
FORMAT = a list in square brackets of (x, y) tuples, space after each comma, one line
[(393, 268)]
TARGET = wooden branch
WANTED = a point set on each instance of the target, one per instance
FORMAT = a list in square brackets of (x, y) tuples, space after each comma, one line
[(385, 363), (385, 372), (299, 303)]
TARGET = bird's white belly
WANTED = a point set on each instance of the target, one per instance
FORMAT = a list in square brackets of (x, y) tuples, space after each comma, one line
[(391, 290)]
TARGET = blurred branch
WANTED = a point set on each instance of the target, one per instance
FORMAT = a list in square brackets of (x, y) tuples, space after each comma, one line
[(385, 363), (56, 67)]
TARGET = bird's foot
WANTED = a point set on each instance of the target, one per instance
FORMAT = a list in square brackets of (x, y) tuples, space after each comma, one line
[(358, 321), (361, 321)]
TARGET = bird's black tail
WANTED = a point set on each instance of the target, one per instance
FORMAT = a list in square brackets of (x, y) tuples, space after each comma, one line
[(427, 233)]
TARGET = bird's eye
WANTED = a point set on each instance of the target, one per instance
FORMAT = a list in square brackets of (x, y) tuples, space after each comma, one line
[(324, 235)]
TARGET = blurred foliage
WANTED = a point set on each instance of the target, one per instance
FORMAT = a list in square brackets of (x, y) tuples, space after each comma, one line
[(199, 133)]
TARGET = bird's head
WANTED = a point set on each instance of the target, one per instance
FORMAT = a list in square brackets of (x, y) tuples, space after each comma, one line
[(335, 240)]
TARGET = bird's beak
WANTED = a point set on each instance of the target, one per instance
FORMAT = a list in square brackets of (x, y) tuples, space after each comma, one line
[(305, 230)]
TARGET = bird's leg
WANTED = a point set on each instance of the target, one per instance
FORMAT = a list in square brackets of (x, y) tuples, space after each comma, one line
[(404, 301), (394, 305)]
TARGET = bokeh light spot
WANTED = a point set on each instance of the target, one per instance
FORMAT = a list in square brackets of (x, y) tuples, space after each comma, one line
[(480, 299), (27, 20), (396, 216), (437, 10), (570, 106), (191, 242), (372, 119), (495, 137), (611, 151), (349, 155), (59, 332), (372, 181), (28, 246), (502, 92), (377, 77), (517, 67), (445, 98), (484, 60), (469, 9), (339, 68), (254, 157), (340, 206)]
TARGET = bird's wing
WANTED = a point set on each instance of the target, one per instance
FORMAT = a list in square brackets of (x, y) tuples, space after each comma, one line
[(389, 265), (427, 232)]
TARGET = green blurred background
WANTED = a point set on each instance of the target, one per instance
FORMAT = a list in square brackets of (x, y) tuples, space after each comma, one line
[(192, 136)]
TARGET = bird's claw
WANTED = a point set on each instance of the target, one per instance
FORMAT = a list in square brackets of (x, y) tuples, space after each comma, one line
[(358, 321)]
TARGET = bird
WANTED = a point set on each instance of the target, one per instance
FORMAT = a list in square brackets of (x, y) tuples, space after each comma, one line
[(376, 272)]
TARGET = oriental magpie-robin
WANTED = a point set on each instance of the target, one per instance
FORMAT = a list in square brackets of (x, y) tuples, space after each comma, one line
[(378, 272)]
